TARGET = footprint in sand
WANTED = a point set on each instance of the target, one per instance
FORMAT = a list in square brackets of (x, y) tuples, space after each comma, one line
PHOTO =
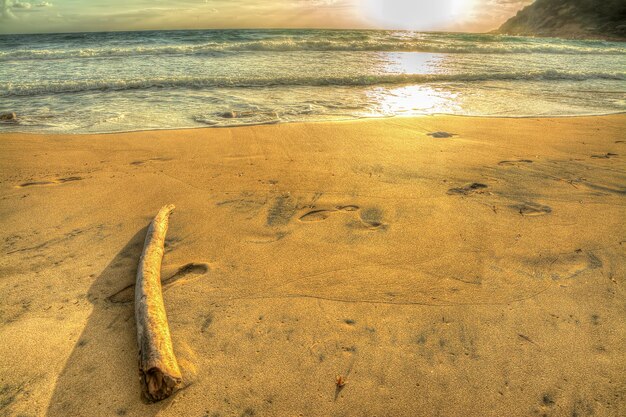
[(49, 182), (440, 135), (516, 162), (567, 266), (468, 189), (145, 161), (607, 155), (264, 238), (369, 218), (532, 209), (372, 218), (323, 214), (282, 210), (184, 274), (316, 215)]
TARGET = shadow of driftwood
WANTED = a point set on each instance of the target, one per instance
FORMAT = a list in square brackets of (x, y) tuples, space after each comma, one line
[(100, 377)]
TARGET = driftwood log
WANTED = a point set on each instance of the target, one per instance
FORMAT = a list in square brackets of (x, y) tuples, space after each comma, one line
[(158, 369)]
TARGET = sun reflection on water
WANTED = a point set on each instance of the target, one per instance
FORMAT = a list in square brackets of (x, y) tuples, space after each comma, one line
[(413, 99)]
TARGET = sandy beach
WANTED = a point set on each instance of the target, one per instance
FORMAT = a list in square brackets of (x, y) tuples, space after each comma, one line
[(479, 273)]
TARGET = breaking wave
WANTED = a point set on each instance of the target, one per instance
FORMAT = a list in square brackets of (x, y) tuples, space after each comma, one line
[(54, 87), (291, 45)]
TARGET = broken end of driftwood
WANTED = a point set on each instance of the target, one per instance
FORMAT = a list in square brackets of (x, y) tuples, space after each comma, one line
[(157, 385), (158, 369)]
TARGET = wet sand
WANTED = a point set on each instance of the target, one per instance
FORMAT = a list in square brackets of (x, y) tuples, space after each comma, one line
[(440, 265)]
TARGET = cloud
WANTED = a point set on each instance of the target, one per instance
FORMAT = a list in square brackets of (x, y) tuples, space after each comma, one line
[(5, 10), (7, 6)]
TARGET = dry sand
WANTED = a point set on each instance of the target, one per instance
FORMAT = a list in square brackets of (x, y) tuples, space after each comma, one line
[(480, 274)]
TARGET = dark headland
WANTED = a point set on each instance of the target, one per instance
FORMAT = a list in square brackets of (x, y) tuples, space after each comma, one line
[(579, 19)]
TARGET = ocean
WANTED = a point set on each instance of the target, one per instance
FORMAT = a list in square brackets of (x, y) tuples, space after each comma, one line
[(126, 81)]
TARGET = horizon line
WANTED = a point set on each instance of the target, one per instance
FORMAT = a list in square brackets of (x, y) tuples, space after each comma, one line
[(490, 32)]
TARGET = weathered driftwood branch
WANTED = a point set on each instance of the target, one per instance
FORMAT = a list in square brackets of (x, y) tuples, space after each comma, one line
[(158, 369)]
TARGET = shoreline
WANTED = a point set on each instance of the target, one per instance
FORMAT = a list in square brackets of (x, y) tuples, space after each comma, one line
[(479, 273), (347, 120)]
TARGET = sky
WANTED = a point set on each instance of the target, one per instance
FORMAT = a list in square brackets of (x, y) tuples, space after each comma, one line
[(33, 16)]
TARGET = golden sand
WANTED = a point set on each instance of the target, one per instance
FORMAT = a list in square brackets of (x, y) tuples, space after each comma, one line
[(480, 274)]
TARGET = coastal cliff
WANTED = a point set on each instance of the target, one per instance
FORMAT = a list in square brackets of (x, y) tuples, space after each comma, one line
[(570, 19)]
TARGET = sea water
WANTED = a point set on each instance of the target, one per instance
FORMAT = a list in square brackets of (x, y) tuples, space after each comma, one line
[(124, 81)]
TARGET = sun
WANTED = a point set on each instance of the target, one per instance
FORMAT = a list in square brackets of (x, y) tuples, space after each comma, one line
[(416, 14)]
